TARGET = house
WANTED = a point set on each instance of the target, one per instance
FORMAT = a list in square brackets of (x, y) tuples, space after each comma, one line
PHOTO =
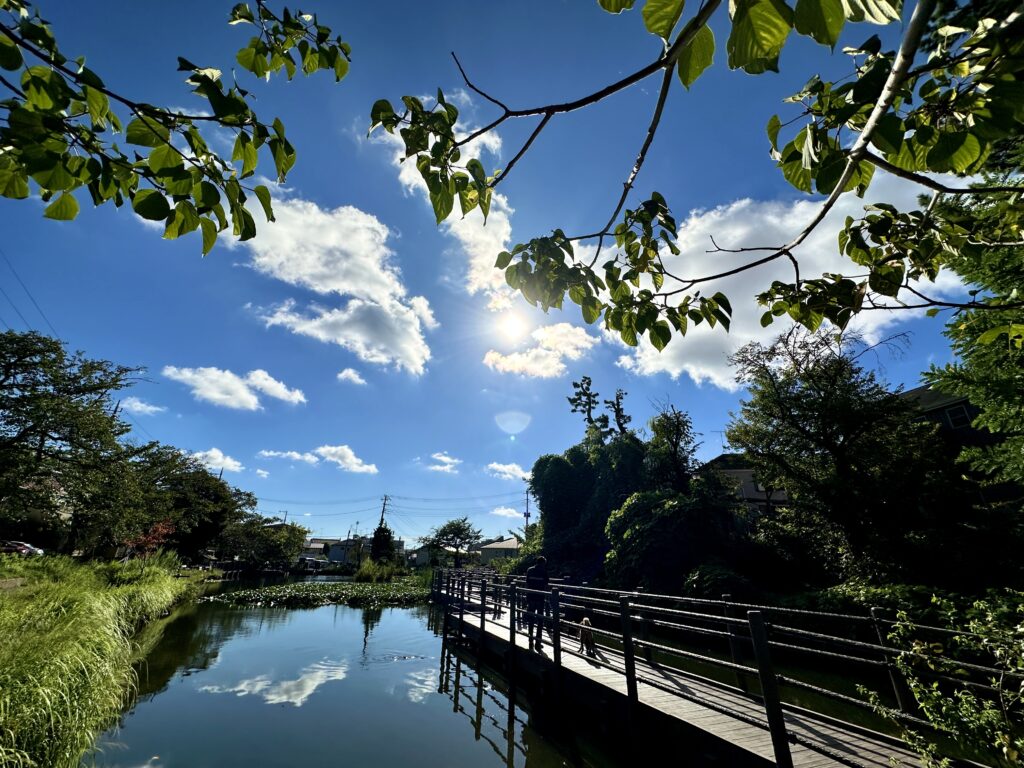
[(757, 498), (316, 547), (497, 550), (953, 413), (349, 550)]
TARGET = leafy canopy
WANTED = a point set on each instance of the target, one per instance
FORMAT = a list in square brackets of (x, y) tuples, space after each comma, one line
[(942, 103), (62, 129)]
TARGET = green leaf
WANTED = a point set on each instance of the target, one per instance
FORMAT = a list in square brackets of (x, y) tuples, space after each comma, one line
[(616, 6), (954, 151), (759, 30), (98, 104), (147, 132), (504, 259), (888, 136), (182, 221), (591, 309), (44, 88), (163, 157), (696, 56), (10, 54), (873, 11), (661, 16), (249, 159), (209, 234), (150, 204), (773, 128), (442, 201), (263, 194), (820, 19), (64, 208), (660, 335)]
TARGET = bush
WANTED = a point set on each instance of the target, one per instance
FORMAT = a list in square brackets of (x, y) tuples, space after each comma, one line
[(376, 573)]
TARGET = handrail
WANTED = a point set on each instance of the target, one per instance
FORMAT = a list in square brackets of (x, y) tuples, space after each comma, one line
[(621, 628)]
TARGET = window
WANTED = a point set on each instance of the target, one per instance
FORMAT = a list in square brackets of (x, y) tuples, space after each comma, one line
[(958, 417)]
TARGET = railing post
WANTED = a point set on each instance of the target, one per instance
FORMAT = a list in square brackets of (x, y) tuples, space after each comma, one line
[(888, 661), (512, 629), (627, 650), (462, 606), (770, 690), (556, 628), (734, 642), (483, 617)]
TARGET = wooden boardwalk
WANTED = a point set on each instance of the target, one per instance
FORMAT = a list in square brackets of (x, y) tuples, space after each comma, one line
[(720, 711)]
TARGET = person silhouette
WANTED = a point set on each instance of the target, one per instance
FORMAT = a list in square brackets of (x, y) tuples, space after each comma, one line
[(536, 582)]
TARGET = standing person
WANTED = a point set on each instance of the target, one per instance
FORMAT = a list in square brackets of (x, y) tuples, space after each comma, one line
[(536, 580)]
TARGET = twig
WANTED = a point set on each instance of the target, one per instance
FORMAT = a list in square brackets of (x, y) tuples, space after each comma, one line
[(522, 151), (930, 183)]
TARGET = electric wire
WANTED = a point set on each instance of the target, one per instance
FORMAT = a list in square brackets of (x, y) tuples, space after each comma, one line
[(29, 294), (10, 301)]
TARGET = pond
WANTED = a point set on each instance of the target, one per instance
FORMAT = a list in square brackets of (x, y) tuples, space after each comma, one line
[(224, 686)]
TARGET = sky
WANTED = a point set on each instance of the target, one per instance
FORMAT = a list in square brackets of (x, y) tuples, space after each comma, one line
[(355, 348)]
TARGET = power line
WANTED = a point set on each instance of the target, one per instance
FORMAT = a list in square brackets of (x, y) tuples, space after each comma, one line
[(456, 498), (29, 293), (10, 301), (322, 503)]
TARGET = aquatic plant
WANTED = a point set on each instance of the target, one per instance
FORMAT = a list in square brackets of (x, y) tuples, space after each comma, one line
[(312, 594)]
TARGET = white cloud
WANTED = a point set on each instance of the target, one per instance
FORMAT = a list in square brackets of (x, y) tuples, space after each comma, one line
[(307, 457), (444, 463), (262, 381), (351, 375), (478, 242), (506, 512), (222, 387), (554, 344), (345, 458), (508, 471), (216, 459), (374, 333), (262, 473), (140, 407), (702, 353), (344, 253)]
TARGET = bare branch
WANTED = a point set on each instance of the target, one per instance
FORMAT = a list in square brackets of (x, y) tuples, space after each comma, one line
[(473, 88), (522, 151), (932, 184)]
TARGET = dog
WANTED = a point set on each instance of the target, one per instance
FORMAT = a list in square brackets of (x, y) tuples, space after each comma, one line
[(587, 638)]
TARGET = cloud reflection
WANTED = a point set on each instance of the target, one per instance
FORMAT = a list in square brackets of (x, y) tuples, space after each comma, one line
[(294, 692)]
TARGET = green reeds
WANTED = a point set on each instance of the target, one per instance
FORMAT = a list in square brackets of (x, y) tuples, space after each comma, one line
[(66, 650)]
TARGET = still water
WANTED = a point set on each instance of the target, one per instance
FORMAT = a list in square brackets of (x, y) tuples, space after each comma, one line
[(332, 686)]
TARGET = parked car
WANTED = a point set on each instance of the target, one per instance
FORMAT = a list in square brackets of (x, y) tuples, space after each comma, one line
[(19, 548)]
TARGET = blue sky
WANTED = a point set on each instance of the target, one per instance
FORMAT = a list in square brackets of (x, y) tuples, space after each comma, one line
[(355, 349)]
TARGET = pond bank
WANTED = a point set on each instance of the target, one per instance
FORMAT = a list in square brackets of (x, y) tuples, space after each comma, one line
[(68, 639)]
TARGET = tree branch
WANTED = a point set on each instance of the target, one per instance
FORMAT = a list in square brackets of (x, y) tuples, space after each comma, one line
[(901, 66), (522, 151), (932, 184)]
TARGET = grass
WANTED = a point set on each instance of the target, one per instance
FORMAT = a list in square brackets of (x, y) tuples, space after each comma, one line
[(311, 594), (66, 650)]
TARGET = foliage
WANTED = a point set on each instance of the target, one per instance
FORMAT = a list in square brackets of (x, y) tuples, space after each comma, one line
[(59, 116), (942, 104), (455, 535), (66, 650), (989, 725), (671, 452), (377, 571), (308, 594), (658, 538), (382, 548), (851, 456), (256, 540)]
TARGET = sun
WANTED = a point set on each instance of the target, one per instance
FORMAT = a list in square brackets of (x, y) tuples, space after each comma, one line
[(512, 326)]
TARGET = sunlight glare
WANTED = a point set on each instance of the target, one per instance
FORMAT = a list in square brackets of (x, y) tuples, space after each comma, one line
[(512, 326)]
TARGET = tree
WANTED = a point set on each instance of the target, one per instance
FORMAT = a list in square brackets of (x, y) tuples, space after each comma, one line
[(851, 455), (941, 103), (382, 548), (57, 119), (585, 401), (671, 451), (256, 540), (59, 428), (203, 507), (455, 535), (657, 538)]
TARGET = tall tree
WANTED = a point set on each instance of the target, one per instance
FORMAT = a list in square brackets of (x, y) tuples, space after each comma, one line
[(850, 454), (456, 535), (382, 547)]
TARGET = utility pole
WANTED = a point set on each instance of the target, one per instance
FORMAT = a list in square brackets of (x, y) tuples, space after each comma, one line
[(382, 509), (527, 515), (286, 515)]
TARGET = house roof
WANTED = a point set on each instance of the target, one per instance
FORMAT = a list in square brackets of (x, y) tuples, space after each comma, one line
[(927, 399), (512, 543), (729, 461)]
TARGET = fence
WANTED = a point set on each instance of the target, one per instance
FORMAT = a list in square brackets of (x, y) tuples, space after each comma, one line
[(771, 654)]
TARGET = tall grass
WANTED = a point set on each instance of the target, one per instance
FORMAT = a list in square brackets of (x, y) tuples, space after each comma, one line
[(66, 650), (377, 573)]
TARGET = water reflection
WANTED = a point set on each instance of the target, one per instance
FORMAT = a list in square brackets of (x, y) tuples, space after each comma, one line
[(294, 692)]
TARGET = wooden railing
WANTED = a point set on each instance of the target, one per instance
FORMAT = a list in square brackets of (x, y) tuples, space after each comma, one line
[(741, 646)]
